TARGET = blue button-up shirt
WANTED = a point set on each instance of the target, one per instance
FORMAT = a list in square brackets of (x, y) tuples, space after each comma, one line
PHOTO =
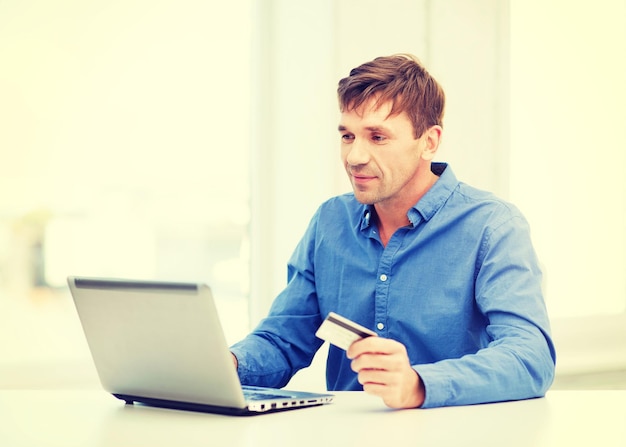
[(460, 287)]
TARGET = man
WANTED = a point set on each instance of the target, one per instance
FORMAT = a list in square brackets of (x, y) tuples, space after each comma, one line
[(444, 273)]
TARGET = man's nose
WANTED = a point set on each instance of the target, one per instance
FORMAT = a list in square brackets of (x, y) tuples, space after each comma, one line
[(358, 153)]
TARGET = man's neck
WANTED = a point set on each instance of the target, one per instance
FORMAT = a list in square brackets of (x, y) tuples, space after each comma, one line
[(394, 215)]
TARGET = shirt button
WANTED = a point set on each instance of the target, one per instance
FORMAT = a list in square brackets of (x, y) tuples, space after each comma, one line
[(383, 277), (380, 326)]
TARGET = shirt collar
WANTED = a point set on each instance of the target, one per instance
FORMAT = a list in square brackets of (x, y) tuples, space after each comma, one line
[(429, 204), (438, 194)]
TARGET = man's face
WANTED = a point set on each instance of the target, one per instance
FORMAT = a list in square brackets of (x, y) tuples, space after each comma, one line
[(381, 156)]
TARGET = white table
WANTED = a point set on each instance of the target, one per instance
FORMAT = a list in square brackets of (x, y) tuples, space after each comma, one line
[(41, 418)]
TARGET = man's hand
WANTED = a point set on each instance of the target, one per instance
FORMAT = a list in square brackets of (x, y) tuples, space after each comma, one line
[(384, 370)]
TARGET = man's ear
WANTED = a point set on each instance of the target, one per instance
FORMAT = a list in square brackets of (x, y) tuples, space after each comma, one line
[(432, 138)]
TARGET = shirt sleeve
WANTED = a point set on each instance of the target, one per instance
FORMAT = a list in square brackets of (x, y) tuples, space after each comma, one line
[(284, 342), (518, 361)]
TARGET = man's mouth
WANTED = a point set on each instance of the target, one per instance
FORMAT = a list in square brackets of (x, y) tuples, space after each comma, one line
[(362, 178)]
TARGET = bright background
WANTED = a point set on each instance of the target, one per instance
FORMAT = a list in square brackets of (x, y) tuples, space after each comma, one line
[(193, 140)]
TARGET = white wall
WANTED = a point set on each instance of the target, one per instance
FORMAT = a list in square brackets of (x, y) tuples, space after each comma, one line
[(568, 163), (124, 139), (292, 143)]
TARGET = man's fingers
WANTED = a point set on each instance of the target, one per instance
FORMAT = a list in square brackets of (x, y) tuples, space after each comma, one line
[(374, 345), (383, 369)]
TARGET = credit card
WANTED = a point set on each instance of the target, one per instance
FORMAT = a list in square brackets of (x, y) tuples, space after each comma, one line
[(342, 332)]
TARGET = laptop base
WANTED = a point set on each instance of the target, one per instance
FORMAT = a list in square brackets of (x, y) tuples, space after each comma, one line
[(202, 408)]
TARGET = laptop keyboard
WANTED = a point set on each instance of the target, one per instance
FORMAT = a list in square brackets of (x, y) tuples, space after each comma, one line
[(255, 395)]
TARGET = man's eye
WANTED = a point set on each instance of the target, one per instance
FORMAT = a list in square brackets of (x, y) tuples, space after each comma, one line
[(378, 138), (347, 137)]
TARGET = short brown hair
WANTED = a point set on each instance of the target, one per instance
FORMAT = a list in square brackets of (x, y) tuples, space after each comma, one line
[(401, 79)]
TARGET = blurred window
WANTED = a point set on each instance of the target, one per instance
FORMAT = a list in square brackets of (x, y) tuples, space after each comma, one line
[(123, 152)]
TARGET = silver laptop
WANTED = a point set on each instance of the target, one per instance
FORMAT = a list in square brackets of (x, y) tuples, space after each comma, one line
[(161, 344)]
